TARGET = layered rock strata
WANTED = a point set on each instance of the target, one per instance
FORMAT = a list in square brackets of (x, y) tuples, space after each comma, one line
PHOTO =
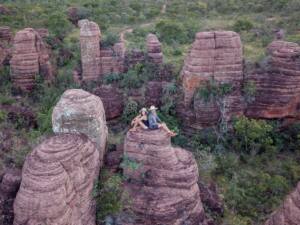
[(6, 35), (57, 183), (277, 89), (30, 57), (154, 51), (289, 212), (90, 50), (81, 112), (163, 186), (213, 56)]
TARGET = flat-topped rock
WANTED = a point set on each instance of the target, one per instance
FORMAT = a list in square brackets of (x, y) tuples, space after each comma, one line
[(78, 111), (163, 189), (57, 183), (289, 212), (278, 89)]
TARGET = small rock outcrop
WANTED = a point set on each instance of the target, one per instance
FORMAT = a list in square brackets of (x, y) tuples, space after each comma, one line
[(113, 100), (90, 50), (163, 187), (112, 59), (277, 88), (9, 187), (30, 57), (57, 183), (81, 112), (154, 51), (6, 35), (214, 56), (289, 212)]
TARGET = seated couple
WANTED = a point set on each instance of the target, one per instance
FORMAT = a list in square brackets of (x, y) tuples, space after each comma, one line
[(150, 120)]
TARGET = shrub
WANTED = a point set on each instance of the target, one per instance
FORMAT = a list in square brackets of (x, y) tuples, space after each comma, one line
[(168, 99), (242, 25), (109, 40), (130, 111), (112, 78), (3, 116), (58, 24), (170, 31), (131, 79), (249, 91)]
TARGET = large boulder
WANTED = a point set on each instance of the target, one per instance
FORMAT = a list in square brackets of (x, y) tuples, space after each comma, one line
[(154, 52), (90, 50), (278, 88), (6, 35), (81, 112), (289, 212), (113, 100), (162, 186), (57, 183), (30, 57), (216, 56)]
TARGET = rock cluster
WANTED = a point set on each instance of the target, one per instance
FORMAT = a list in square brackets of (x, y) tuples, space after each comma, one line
[(6, 35), (90, 50), (278, 89), (214, 56), (81, 112), (113, 100), (163, 187), (57, 183), (112, 59), (289, 212), (30, 57), (154, 52)]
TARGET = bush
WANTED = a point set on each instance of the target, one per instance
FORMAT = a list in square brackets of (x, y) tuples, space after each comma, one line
[(130, 111), (3, 116), (131, 79), (109, 40), (242, 25), (169, 31), (249, 91), (112, 78), (58, 24)]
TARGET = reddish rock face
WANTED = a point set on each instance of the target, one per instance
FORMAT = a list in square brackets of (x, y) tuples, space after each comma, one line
[(4, 55), (90, 50), (214, 55), (113, 100), (154, 52), (30, 57), (6, 35), (163, 189), (154, 92), (81, 112), (57, 183), (278, 90), (289, 212), (112, 59)]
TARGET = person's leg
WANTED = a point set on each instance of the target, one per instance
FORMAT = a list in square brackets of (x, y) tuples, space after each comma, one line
[(140, 122), (165, 127)]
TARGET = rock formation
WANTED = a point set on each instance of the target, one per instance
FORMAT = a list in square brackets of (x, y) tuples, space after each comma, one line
[(218, 56), (289, 212), (154, 92), (30, 57), (81, 112), (90, 50), (113, 100), (9, 185), (57, 183), (6, 35), (4, 56), (154, 52), (133, 57), (278, 89), (163, 188), (112, 59)]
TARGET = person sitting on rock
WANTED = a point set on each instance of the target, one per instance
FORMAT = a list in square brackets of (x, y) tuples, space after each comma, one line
[(140, 120), (155, 122)]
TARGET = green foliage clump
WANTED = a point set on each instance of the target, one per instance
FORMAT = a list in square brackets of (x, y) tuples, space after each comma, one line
[(3, 116), (130, 111), (252, 136), (112, 78), (109, 40), (170, 31), (108, 195), (58, 24), (169, 99), (249, 91), (242, 25)]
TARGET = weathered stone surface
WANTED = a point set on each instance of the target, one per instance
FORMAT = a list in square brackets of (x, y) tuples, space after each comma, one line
[(154, 51), (81, 112), (113, 100), (57, 183), (6, 35), (43, 32), (163, 189), (30, 57), (8, 189), (112, 59), (289, 212), (90, 50), (4, 56), (154, 92), (278, 89), (214, 55)]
